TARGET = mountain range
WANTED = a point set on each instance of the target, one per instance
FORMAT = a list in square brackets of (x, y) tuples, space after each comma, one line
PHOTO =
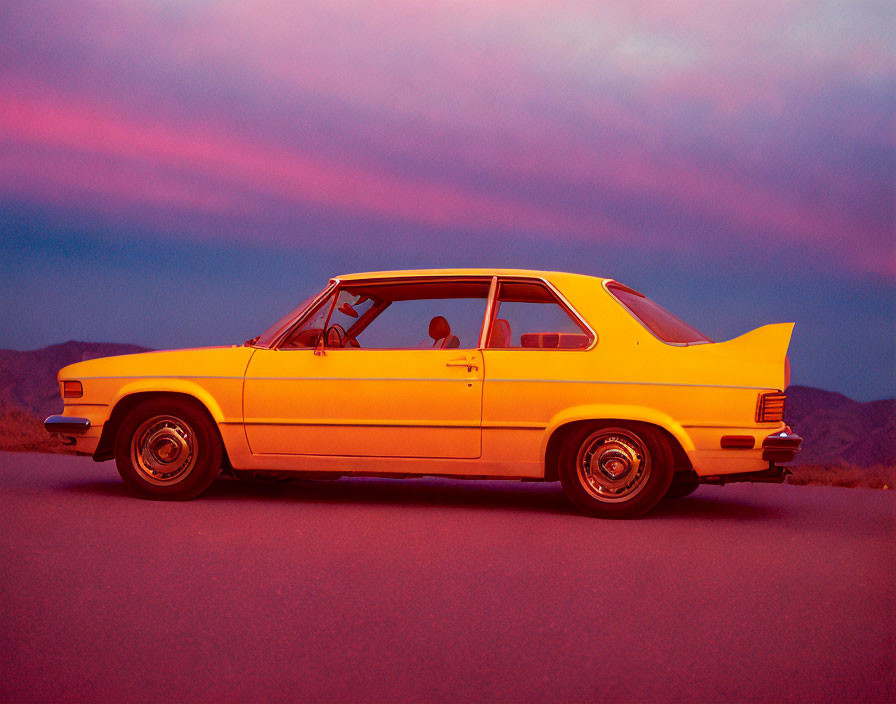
[(836, 430), (29, 391)]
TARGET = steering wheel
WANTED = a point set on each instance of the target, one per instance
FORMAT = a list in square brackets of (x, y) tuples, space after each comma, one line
[(335, 335)]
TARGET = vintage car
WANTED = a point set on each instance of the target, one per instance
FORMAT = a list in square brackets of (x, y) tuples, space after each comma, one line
[(465, 373)]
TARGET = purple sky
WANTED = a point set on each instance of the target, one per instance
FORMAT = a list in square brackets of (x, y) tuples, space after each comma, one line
[(181, 173)]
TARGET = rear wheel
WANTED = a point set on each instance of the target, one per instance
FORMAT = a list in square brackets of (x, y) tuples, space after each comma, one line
[(616, 471), (168, 448)]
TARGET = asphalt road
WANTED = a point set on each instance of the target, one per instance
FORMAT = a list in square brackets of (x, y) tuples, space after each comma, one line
[(437, 590)]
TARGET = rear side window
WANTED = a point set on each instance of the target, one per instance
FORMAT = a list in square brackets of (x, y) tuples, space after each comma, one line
[(655, 318), (529, 316)]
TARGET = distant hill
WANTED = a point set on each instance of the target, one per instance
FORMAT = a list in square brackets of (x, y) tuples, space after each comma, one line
[(29, 391), (839, 431), (836, 430), (28, 379)]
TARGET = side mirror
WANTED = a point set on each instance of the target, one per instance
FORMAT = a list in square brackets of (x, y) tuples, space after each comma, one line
[(348, 309)]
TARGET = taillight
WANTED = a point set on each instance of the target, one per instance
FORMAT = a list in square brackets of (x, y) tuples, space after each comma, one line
[(72, 389), (770, 408)]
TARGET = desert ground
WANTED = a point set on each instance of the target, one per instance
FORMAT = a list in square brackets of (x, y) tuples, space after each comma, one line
[(438, 590)]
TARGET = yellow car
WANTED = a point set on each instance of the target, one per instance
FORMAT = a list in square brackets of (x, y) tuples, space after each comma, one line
[(466, 373)]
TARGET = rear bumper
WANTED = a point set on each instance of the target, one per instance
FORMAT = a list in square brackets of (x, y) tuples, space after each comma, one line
[(777, 447), (781, 447)]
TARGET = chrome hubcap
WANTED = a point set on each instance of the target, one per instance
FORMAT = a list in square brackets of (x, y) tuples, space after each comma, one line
[(163, 450), (613, 464)]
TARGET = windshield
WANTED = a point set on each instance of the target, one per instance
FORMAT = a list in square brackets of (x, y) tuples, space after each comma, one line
[(266, 339), (655, 318)]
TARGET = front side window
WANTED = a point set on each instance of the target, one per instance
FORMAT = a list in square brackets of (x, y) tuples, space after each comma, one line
[(529, 316), (338, 312), (655, 318), (409, 315)]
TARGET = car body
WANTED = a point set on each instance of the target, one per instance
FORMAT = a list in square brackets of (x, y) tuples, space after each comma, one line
[(517, 374)]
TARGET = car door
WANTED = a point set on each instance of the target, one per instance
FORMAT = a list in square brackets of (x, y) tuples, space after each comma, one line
[(405, 395), (537, 364)]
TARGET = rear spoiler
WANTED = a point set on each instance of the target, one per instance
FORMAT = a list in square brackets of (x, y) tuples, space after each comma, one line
[(768, 343), (755, 359)]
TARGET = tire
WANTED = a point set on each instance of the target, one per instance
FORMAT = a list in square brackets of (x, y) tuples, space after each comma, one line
[(638, 454), (680, 489), (168, 448)]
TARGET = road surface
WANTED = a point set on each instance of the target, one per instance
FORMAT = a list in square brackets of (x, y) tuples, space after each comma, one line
[(437, 590)]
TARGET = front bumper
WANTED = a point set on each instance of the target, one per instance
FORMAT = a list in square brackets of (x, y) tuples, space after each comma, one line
[(67, 427)]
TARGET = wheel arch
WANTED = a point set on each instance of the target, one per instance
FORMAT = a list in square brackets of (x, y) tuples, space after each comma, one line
[(130, 398), (567, 421)]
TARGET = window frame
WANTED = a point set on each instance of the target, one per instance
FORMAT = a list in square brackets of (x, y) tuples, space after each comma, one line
[(487, 318), (560, 299)]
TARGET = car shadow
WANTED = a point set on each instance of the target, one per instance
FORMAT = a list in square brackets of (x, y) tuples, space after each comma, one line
[(110, 488), (445, 493), (423, 492), (716, 507)]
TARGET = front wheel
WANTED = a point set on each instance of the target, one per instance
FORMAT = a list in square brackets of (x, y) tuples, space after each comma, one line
[(168, 448), (616, 471)]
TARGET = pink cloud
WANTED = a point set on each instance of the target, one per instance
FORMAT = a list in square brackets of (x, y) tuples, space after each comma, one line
[(254, 166), (457, 112)]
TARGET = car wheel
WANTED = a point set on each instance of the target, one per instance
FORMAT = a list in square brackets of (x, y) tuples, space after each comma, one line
[(680, 489), (616, 471), (168, 449)]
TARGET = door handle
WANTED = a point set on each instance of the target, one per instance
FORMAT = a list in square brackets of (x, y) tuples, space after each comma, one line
[(468, 363)]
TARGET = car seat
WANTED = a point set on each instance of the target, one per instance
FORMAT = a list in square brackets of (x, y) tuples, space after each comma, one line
[(439, 331), (501, 334)]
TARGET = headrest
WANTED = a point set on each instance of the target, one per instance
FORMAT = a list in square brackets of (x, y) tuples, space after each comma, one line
[(500, 334), (439, 328)]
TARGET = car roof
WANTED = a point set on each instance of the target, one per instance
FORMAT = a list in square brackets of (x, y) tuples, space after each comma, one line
[(412, 273)]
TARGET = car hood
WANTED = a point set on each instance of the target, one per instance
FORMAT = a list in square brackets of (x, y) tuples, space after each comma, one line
[(195, 362)]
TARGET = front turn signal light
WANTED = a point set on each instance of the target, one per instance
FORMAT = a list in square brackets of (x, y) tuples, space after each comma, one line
[(72, 389), (770, 408)]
